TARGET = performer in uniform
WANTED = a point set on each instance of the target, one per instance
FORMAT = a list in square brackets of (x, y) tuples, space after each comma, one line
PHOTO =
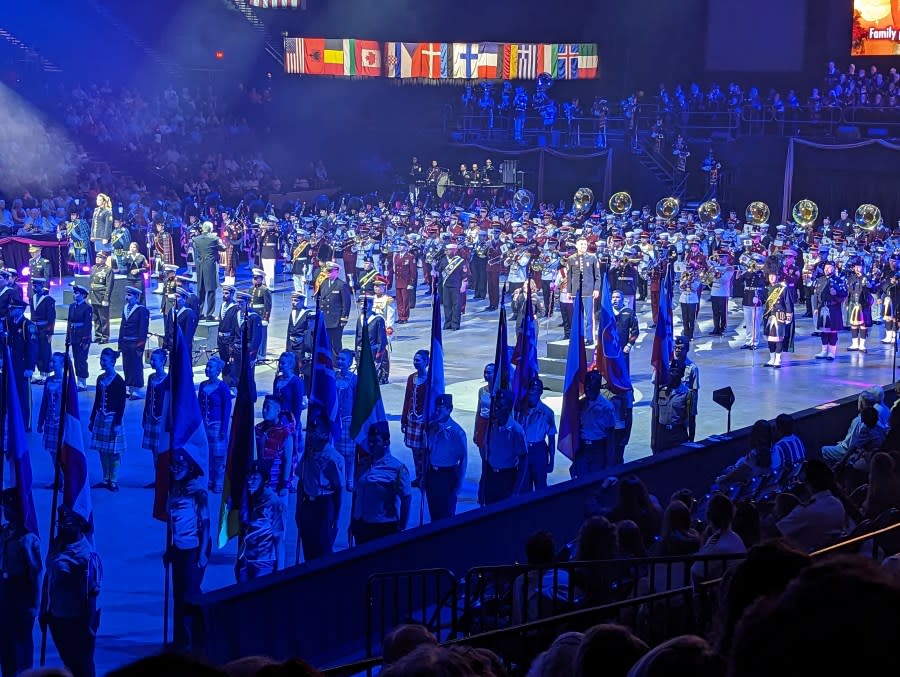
[(261, 302), (300, 258), (268, 249), (446, 461), (830, 291), (383, 305), (108, 438), (156, 415), (539, 423), (779, 314), (77, 231), (101, 282), (495, 253), (890, 286), (597, 417), (49, 415), (206, 257), (752, 301), (626, 324), (259, 528), (38, 266), (78, 321), (120, 239), (185, 319), (320, 489), (102, 224), (370, 327), (507, 452), (290, 390), (135, 267), (300, 336), (214, 397), (346, 393), (690, 375), (720, 291), (405, 279), (23, 347), (454, 275), (412, 420), (163, 253), (132, 339), (246, 320), (228, 334), (334, 304), (670, 410), (43, 314), (583, 276), (859, 305)]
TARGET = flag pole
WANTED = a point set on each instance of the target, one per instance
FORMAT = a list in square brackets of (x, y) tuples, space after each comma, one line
[(429, 376), (57, 477), (491, 415), (169, 535), (312, 377)]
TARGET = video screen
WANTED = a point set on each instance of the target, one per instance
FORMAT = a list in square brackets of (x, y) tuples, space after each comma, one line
[(876, 28)]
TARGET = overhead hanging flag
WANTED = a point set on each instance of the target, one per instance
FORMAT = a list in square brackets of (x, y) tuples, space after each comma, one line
[(398, 59), (527, 61), (431, 60), (278, 4), (488, 60), (567, 62), (293, 55), (465, 60), (333, 57), (547, 60), (362, 57), (588, 62)]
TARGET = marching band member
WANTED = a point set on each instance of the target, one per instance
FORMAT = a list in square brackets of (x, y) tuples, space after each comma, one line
[(77, 231), (163, 253), (830, 290), (778, 315), (261, 302), (891, 301), (752, 301), (454, 277), (859, 305), (720, 291)]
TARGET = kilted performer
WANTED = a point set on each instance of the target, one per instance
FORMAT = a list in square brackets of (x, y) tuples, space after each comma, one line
[(50, 412), (214, 396), (778, 318), (412, 422), (859, 305), (346, 393), (830, 290), (108, 438), (155, 420)]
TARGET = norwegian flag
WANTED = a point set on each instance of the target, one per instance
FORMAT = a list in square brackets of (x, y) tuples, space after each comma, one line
[(567, 62)]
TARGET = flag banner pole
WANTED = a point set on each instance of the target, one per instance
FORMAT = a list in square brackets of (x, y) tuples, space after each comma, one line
[(312, 377)]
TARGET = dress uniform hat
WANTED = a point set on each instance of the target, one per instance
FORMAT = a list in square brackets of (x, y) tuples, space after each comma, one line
[(259, 272), (171, 268), (331, 265), (77, 288), (297, 295), (179, 292), (243, 296), (380, 280), (228, 287), (133, 290), (38, 280)]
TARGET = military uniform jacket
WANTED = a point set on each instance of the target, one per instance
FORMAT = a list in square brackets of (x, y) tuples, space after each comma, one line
[(229, 330), (79, 321), (186, 319), (754, 288), (168, 296), (102, 225), (334, 302), (261, 301), (404, 269), (584, 274), (623, 279), (43, 313), (120, 239), (454, 271), (135, 325), (206, 257), (374, 331), (40, 267), (101, 284), (299, 337), (626, 327), (23, 346)]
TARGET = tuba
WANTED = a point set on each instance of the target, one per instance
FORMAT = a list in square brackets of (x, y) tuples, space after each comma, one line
[(709, 211), (668, 208), (868, 217), (583, 201), (805, 213), (757, 213), (523, 200), (620, 203)]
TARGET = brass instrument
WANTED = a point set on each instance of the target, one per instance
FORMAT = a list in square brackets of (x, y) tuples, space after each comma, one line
[(757, 213), (868, 217), (620, 203), (513, 254), (523, 200), (668, 208), (709, 211), (688, 277), (583, 201), (805, 213)]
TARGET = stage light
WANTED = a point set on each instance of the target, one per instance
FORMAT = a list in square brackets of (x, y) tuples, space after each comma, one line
[(25, 272), (85, 269), (220, 54)]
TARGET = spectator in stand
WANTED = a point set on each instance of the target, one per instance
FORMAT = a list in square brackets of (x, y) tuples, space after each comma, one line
[(631, 546), (832, 454), (756, 463), (788, 451), (635, 503), (677, 539), (559, 659), (403, 640), (596, 542), (891, 442), (747, 523), (541, 592), (820, 522), (609, 650), (720, 540), (883, 492), (684, 655)]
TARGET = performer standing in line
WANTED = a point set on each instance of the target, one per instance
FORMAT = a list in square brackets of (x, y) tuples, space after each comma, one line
[(259, 528), (830, 291), (43, 314), (77, 231), (49, 414), (228, 333), (102, 224), (163, 253), (483, 407), (598, 422), (346, 394), (447, 457), (539, 423), (691, 378), (101, 293), (334, 305), (23, 348), (859, 305), (405, 279), (206, 256), (135, 267), (779, 314), (275, 447), (320, 489), (215, 408), (38, 267), (752, 302), (412, 420), (132, 339), (79, 324), (507, 453), (290, 390), (155, 418), (106, 420)]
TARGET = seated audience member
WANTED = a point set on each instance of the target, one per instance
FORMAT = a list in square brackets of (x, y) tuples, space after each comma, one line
[(883, 491), (635, 579), (540, 592), (766, 572), (431, 660), (788, 452), (840, 616), (680, 656), (403, 639), (637, 504), (559, 659), (891, 442), (756, 463), (832, 454), (876, 395), (169, 663), (677, 539), (823, 519), (720, 539), (596, 542), (609, 650), (747, 522), (248, 666)]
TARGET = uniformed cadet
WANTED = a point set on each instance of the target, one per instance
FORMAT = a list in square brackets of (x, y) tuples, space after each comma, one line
[(23, 347), (169, 285), (228, 334), (334, 305), (43, 314), (597, 423), (300, 335), (185, 319), (79, 327), (38, 266), (101, 285), (446, 460), (132, 339), (261, 303), (507, 452), (539, 423)]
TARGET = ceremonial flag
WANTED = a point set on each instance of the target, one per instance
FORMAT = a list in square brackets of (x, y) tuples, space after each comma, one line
[(611, 362), (527, 61), (323, 386), (502, 365), (567, 62), (293, 55), (241, 450), (465, 60), (72, 456), (431, 60), (576, 368), (362, 57), (488, 60), (333, 57), (547, 59), (663, 342), (525, 356), (368, 409), (398, 59), (278, 4), (588, 62), (18, 459), (435, 373)]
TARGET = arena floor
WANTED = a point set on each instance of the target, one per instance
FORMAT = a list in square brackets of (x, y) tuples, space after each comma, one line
[(131, 542)]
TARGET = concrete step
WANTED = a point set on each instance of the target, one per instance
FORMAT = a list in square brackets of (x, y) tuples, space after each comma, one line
[(560, 350), (553, 383)]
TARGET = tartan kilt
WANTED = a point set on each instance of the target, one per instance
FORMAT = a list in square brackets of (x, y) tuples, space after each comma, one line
[(414, 437), (346, 447), (830, 318), (218, 446), (104, 440), (153, 434), (51, 435)]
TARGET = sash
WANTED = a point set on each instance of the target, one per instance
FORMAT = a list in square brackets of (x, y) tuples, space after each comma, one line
[(452, 265)]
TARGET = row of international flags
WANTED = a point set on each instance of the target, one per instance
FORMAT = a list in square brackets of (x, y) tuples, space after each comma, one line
[(350, 57)]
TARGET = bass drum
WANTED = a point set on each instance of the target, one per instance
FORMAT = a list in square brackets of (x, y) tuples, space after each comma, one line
[(443, 183)]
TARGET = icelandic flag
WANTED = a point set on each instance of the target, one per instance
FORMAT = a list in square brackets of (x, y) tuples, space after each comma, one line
[(663, 341), (465, 60), (609, 358), (72, 456), (18, 468), (188, 434), (524, 355), (435, 373), (323, 387), (576, 368)]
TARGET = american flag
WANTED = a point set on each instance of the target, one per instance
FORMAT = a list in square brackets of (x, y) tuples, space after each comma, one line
[(293, 55)]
